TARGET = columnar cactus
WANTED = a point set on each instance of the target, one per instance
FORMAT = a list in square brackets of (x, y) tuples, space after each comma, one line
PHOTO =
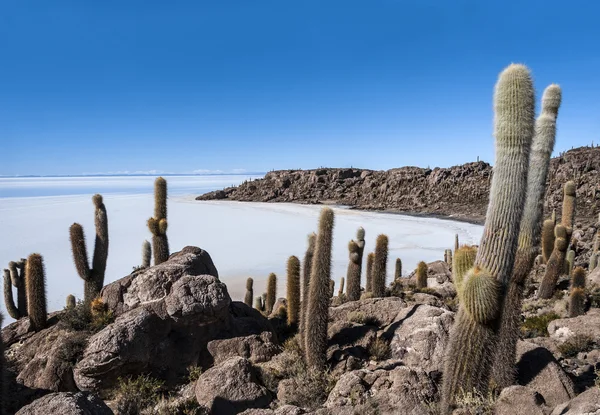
[(462, 262), (421, 275), (293, 291), (380, 266), (547, 239), (448, 257), (306, 270), (353, 274), (146, 254), (331, 288), (568, 208), (504, 370), (593, 262), (341, 289), (71, 303), (258, 304), (93, 277), (472, 339), (556, 264), (271, 293), (577, 296), (249, 292), (158, 223), (369, 282), (17, 277), (456, 245), (569, 261), (318, 302), (35, 285), (398, 269), (9, 301)]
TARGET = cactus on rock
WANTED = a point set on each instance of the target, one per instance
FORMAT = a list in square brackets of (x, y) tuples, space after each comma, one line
[(556, 264), (398, 269), (568, 208), (569, 261), (249, 292), (35, 285), (17, 278), (9, 301), (293, 291), (421, 275), (258, 304), (341, 289), (146, 254), (353, 274), (462, 262), (306, 270), (379, 266), (71, 302), (577, 296), (93, 277), (158, 223), (271, 293), (547, 239)]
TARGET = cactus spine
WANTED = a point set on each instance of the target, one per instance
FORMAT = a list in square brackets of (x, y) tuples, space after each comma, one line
[(463, 260), (398, 269), (249, 292), (379, 266), (9, 301), (307, 267), (568, 208), (146, 254), (504, 370), (556, 264), (353, 274), (369, 282), (469, 353), (71, 303), (293, 291), (271, 293), (35, 284), (421, 275), (158, 223), (547, 239), (318, 302)]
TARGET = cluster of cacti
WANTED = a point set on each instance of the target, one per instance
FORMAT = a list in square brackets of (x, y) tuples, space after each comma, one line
[(472, 341), (293, 291), (421, 275), (369, 276), (14, 276), (271, 293), (398, 269), (318, 303), (35, 285), (146, 254), (93, 277), (503, 370), (463, 260), (577, 295), (158, 223), (306, 270), (379, 266), (249, 292), (556, 264)]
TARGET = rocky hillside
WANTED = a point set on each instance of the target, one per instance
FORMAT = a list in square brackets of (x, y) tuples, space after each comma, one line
[(460, 192)]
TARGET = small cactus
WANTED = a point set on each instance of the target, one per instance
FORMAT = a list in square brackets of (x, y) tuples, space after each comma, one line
[(341, 289), (463, 260), (35, 285), (593, 262), (569, 261), (271, 293), (448, 257), (9, 302), (158, 223), (93, 277), (421, 275), (398, 269), (17, 277), (249, 292), (578, 278), (307, 266), (331, 288), (258, 304), (293, 291), (146, 254), (318, 303), (456, 245), (380, 266), (547, 239), (353, 273), (369, 279), (556, 264), (568, 207), (577, 300), (71, 303)]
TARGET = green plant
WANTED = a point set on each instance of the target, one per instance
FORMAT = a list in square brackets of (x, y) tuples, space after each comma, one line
[(135, 394), (271, 293), (93, 277), (318, 302), (448, 257), (568, 207), (71, 302), (194, 373), (456, 244), (537, 326), (379, 349), (463, 260), (379, 266), (503, 369), (158, 223), (293, 291), (354, 270), (15, 276), (421, 275), (249, 292), (555, 266), (360, 317), (35, 285), (146, 254), (398, 269), (547, 239), (306, 270), (569, 261), (369, 277), (473, 336), (9, 302), (575, 345)]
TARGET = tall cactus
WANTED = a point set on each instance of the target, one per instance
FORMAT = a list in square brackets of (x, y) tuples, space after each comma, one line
[(462, 262), (421, 275), (293, 291), (369, 281), (556, 264), (547, 239), (35, 285), (146, 254), (249, 292), (380, 266), (398, 269), (158, 223), (577, 296), (568, 208), (318, 302), (93, 277), (271, 293), (17, 277), (504, 369), (353, 274), (9, 301), (341, 289), (469, 353), (306, 270)]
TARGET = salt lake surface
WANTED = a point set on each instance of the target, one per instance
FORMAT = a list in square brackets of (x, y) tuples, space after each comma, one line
[(244, 239)]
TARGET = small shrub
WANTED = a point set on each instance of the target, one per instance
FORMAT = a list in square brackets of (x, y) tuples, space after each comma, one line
[(379, 349), (194, 373), (133, 395), (76, 318), (309, 389), (73, 347), (292, 345), (537, 326), (101, 320), (576, 344), (361, 318), (474, 403)]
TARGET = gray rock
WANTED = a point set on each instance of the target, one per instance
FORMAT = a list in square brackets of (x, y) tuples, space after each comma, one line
[(587, 403), (67, 403), (587, 324), (255, 348), (383, 309), (231, 388), (520, 400)]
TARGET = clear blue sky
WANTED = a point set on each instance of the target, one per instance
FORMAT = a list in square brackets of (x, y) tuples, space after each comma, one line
[(177, 86)]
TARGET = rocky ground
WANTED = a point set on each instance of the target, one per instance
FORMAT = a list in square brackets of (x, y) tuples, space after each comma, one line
[(178, 344)]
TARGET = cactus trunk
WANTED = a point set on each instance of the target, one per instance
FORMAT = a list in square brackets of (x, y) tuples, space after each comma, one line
[(307, 267), (249, 292), (369, 281), (293, 291), (353, 274), (146, 254), (379, 266), (35, 283), (9, 301), (271, 293), (158, 223)]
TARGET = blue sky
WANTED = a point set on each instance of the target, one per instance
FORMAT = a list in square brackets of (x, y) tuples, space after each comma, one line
[(182, 86)]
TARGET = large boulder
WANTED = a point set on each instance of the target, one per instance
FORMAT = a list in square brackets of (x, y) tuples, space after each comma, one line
[(67, 403), (231, 387), (587, 403), (255, 348)]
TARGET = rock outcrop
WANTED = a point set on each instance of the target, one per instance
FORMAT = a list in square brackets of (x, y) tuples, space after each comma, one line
[(67, 403)]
